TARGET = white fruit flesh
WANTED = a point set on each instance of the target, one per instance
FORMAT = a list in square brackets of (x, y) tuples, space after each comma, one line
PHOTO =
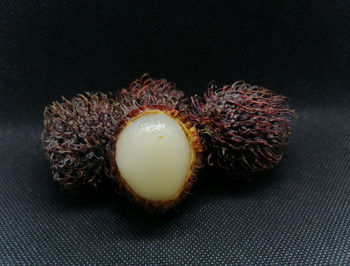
[(153, 156)]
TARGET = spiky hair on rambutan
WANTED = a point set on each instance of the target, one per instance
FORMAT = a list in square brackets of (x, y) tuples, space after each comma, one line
[(148, 91), (244, 128), (74, 140)]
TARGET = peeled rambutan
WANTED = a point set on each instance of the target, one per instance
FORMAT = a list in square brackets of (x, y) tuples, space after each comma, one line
[(244, 128), (74, 140), (155, 152)]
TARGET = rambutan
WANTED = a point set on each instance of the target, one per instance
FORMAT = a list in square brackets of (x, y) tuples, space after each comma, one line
[(74, 140), (244, 128), (156, 151)]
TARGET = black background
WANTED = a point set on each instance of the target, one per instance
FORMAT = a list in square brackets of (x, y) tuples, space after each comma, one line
[(297, 213)]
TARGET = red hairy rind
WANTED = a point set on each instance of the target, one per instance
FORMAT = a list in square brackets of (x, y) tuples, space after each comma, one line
[(149, 205), (148, 91), (244, 128), (74, 139)]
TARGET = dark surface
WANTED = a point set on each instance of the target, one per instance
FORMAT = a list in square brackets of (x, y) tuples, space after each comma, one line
[(297, 213)]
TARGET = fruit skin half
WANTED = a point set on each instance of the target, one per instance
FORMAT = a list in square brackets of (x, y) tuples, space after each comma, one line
[(158, 206)]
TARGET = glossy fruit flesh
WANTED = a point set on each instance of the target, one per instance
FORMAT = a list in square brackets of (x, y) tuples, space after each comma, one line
[(154, 156)]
